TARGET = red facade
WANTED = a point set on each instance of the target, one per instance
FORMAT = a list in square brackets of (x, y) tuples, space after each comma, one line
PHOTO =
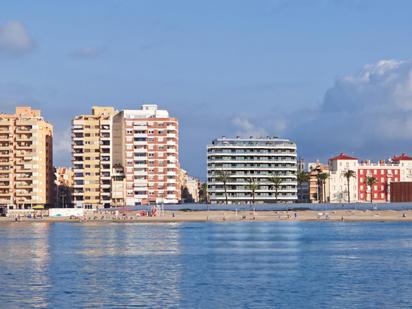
[(380, 191)]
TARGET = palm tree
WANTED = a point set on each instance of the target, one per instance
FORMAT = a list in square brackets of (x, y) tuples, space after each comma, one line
[(321, 182), (302, 177), (276, 182), (370, 181), (348, 175), (223, 176), (203, 193), (252, 186)]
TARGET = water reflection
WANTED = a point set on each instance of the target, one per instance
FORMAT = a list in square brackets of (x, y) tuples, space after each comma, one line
[(24, 261), (238, 262), (206, 265), (117, 265)]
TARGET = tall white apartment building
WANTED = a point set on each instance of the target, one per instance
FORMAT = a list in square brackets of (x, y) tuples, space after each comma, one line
[(249, 161), (146, 144)]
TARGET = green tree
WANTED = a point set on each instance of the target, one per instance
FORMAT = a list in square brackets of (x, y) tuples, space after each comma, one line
[(276, 182), (370, 181), (321, 185), (252, 186), (302, 177), (223, 176), (203, 193), (348, 175)]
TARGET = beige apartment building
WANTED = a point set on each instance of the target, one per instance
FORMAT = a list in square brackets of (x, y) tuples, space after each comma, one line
[(125, 158), (147, 147), (92, 158), (26, 162)]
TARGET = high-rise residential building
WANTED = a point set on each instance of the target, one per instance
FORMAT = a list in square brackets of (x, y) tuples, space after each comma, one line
[(26, 160), (242, 170), (147, 147), (92, 157)]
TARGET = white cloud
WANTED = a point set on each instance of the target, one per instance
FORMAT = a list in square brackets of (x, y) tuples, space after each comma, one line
[(246, 128), (87, 53), (15, 39), (366, 112)]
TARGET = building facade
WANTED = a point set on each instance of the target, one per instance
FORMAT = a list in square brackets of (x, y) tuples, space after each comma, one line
[(26, 160), (92, 158), (64, 187), (385, 172), (318, 190), (147, 146), (249, 164), (190, 187)]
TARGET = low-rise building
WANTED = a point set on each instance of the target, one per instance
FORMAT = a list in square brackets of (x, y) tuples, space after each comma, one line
[(64, 187), (190, 187), (318, 188), (383, 173)]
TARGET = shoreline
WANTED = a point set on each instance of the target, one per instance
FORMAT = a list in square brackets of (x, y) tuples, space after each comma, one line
[(233, 216)]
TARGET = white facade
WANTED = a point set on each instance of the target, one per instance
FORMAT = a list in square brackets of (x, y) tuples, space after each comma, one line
[(338, 184), (252, 159)]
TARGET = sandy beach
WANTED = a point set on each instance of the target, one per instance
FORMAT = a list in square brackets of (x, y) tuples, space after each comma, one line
[(230, 216)]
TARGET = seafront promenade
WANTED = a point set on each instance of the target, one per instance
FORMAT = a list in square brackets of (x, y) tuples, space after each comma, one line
[(228, 216)]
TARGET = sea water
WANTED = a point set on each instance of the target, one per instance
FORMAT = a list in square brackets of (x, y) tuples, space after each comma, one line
[(206, 265)]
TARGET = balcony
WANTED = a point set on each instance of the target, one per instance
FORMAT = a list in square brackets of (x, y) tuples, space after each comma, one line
[(24, 176), (23, 153), (23, 129), (24, 184), (24, 145), (24, 138), (23, 200), (24, 192), (4, 184), (5, 147)]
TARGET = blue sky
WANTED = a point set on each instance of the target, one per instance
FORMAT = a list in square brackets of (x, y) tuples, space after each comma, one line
[(309, 70)]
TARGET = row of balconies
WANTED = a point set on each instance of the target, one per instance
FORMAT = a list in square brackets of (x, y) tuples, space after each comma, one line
[(245, 187), (248, 197), (286, 167), (251, 150)]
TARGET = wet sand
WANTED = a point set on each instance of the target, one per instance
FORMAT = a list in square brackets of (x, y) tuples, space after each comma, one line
[(230, 216)]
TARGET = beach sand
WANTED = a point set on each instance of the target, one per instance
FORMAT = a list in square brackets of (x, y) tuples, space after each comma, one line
[(230, 216)]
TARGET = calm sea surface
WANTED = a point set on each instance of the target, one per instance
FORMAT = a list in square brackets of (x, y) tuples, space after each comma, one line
[(206, 265)]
